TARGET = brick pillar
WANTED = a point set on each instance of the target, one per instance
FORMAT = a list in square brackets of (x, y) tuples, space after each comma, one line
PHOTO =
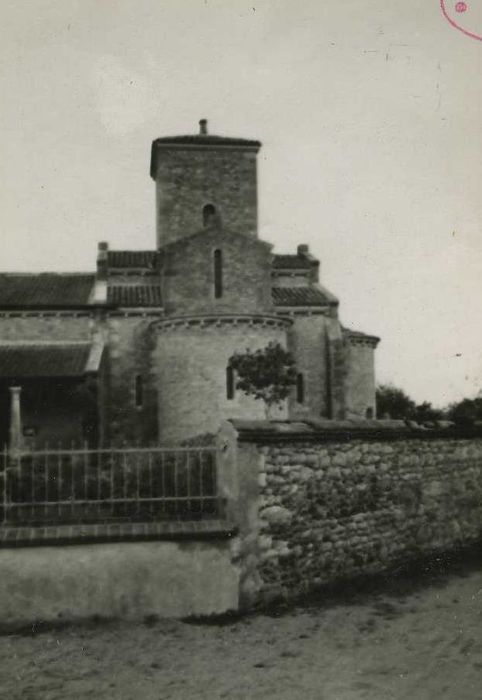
[(15, 418)]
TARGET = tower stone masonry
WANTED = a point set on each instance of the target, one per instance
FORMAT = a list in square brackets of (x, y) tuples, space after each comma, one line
[(204, 179)]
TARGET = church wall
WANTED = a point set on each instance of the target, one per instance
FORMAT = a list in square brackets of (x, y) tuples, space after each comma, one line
[(360, 380), (307, 343), (187, 180), (337, 369), (130, 342), (188, 275), (192, 364)]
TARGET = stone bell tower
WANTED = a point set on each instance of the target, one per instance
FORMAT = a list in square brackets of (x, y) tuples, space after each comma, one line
[(203, 180)]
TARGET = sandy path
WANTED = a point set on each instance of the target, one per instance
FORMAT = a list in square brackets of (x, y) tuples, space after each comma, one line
[(397, 644)]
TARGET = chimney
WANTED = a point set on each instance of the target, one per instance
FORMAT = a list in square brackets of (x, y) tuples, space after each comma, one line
[(99, 292), (102, 251), (303, 249), (203, 127)]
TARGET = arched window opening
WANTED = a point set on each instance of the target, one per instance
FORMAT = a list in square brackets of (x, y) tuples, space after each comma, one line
[(369, 413), (218, 274), (230, 385), (300, 388), (209, 213), (139, 391)]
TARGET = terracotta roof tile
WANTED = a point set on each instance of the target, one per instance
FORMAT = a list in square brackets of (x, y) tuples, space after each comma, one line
[(134, 295), (132, 258), (299, 296), (45, 290), (358, 335), (291, 262), (44, 359)]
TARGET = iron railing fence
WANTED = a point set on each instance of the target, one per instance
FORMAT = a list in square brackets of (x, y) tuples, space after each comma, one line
[(108, 485)]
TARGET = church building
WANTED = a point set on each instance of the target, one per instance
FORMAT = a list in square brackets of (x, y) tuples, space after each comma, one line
[(138, 351)]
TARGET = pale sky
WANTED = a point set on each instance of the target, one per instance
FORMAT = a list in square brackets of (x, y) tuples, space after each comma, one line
[(370, 115)]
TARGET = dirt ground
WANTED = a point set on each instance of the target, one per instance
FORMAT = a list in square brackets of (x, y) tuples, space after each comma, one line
[(413, 637)]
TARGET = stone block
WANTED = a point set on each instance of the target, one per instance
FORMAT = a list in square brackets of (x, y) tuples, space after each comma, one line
[(276, 515)]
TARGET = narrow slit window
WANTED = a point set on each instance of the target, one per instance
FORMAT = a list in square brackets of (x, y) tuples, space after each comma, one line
[(300, 388), (218, 274), (230, 383), (139, 391), (369, 413)]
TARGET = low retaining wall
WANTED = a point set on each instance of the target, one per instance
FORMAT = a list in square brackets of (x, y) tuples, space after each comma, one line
[(128, 580), (304, 506), (315, 506)]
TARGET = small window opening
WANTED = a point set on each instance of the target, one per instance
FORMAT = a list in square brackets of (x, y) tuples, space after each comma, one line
[(230, 385), (300, 388), (209, 213), (139, 391), (369, 413), (218, 274)]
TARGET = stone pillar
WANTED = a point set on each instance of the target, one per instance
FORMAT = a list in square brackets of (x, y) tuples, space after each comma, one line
[(239, 467), (15, 418)]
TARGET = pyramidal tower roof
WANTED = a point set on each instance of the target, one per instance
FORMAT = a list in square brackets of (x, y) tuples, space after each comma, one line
[(200, 140)]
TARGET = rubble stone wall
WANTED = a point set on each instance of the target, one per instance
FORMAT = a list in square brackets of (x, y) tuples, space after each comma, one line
[(333, 510)]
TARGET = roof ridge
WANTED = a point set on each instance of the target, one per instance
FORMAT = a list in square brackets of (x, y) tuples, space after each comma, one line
[(132, 250), (207, 139), (228, 231)]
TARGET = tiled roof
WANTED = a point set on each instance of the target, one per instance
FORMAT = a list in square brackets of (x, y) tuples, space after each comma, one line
[(132, 258), (299, 296), (134, 295), (209, 140), (291, 262), (198, 140), (44, 359), (358, 335), (45, 290)]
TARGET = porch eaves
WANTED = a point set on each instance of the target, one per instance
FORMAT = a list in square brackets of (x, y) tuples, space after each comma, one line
[(54, 359)]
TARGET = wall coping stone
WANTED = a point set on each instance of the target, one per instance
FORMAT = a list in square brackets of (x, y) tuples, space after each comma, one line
[(320, 430), (48, 535)]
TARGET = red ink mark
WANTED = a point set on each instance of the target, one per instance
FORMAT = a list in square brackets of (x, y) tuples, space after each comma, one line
[(459, 7)]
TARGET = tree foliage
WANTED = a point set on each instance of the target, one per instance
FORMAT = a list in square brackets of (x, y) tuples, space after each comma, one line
[(425, 412), (266, 374), (395, 403), (466, 412)]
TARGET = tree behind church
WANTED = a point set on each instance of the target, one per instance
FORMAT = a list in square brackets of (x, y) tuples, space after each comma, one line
[(393, 402)]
